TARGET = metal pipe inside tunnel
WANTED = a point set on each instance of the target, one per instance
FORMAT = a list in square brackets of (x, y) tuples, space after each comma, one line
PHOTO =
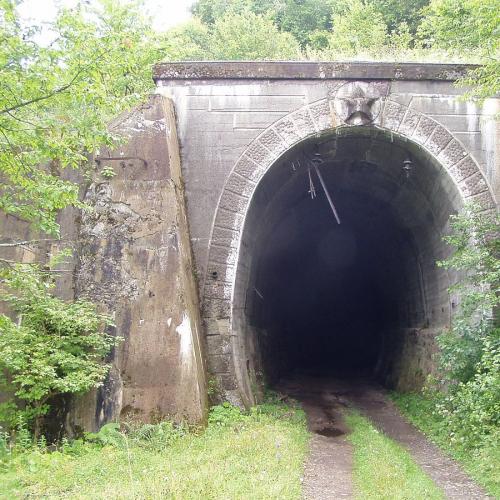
[(360, 298)]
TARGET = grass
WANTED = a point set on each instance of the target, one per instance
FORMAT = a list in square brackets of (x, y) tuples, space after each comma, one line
[(383, 469), (482, 463), (258, 456)]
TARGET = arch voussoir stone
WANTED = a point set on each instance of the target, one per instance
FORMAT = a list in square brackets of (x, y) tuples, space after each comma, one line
[(228, 219), (473, 185), (438, 140), (321, 114), (452, 154), (248, 168), (225, 237), (223, 254), (287, 130), (392, 115), (409, 123), (239, 184), (303, 122), (233, 201), (424, 130), (259, 153), (484, 200), (463, 169), (273, 142)]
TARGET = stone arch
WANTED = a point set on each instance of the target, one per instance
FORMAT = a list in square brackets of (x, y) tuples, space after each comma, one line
[(311, 120)]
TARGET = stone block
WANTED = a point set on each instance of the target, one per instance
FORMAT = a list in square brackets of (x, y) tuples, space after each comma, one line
[(229, 219), (273, 142), (227, 382), (223, 255), (198, 102), (424, 129), (392, 115), (217, 326), (249, 169), (219, 363), (259, 154), (438, 140), (484, 200), (321, 114), (274, 103), (216, 308), (463, 169), (460, 123), (473, 185), (217, 290), (238, 184), (256, 119), (442, 105), (452, 153), (219, 345), (234, 202), (303, 122), (409, 123), (220, 272), (225, 237), (287, 130)]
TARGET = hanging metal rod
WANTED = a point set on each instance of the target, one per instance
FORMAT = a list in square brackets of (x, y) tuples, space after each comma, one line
[(323, 185)]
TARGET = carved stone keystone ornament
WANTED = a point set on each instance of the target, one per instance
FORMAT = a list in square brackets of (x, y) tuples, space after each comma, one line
[(358, 103)]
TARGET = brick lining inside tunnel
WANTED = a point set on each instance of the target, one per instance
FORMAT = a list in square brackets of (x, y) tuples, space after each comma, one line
[(268, 233)]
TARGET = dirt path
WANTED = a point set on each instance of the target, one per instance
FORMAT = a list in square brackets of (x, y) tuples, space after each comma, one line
[(328, 471)]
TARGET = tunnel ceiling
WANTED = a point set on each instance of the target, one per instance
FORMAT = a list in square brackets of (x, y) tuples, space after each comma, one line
[(361, 169)]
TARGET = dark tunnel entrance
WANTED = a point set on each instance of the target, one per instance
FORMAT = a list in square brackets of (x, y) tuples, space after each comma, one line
[(363, 297)]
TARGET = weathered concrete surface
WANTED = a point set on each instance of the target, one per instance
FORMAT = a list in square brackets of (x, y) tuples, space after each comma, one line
[(240, 122), (307, 70), (135, 262)]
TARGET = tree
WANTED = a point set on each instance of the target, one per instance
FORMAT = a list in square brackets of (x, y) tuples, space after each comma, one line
[(189, 41), (302, 18), (299, 17), (396, 12), (250, 36), (361, 28), (56, 100), (235, 35), (475, 257), (468, 28), (209, 11)]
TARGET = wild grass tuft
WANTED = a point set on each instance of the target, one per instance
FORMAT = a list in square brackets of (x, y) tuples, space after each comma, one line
[(383, 469), (258, 455)]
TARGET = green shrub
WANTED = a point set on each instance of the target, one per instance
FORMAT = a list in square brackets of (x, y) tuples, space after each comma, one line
[(460, 407), (225, 415), (52, 347)]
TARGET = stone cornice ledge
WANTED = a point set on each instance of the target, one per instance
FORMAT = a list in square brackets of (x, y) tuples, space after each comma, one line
[(307, 70)]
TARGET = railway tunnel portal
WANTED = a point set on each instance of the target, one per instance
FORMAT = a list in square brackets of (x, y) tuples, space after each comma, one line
[(317, 237)]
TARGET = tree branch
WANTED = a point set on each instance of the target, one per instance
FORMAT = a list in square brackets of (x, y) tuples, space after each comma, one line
[(43, 97)]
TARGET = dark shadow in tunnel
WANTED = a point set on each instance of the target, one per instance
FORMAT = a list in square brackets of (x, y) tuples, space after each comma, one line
[(325, 302), (343, 299)]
